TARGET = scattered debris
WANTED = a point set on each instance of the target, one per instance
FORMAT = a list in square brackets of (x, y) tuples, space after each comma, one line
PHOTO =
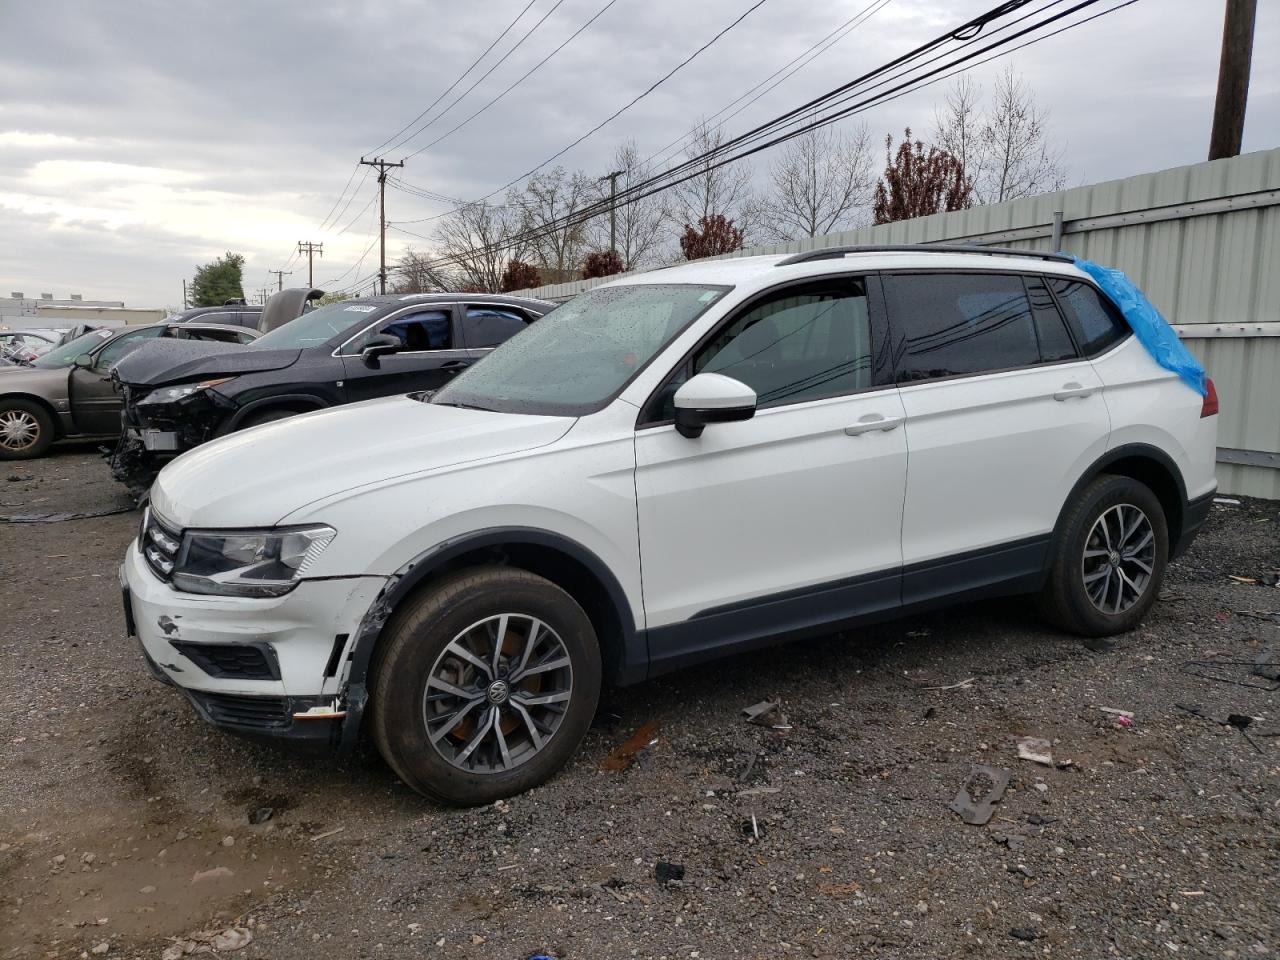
[(1123, 721), (261, 815), (767, 713), (1117, 713), (1036, 750), (1248, 580), (961, 685), (328, 833), (1026, 934), (1228, 501), (665, 872), (212, 873), (1099, 644), (1197, 668), (1267, 665), (981, 791), (59, 517), (623, 756), (1241, 721), (208, 941), (757, 791)]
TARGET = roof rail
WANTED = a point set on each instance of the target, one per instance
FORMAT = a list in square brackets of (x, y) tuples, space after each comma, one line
[(834, 253)]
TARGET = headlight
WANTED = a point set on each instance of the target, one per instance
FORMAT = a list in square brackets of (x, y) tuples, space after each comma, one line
[(248, 563), (180, 392)]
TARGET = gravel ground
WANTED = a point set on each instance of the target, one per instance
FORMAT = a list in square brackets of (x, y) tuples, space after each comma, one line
[(124, 821)]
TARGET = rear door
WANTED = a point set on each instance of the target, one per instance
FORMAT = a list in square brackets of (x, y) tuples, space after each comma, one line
[(1003, 415), (431, 354)]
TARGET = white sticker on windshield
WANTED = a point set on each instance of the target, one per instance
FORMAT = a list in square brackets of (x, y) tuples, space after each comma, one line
[(709, 295), (360, 309)]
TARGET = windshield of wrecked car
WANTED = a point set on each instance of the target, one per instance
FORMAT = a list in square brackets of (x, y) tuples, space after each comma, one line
[(66, 354), (579, 356), (314, 328)]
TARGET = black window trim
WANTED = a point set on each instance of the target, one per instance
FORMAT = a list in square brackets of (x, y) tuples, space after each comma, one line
[(877, 330), (1107, 304), (465, 305)]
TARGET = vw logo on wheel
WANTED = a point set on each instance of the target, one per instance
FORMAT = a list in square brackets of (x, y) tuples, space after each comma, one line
[(498, 692)]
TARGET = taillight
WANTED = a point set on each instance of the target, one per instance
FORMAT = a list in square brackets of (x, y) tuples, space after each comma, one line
[(1209, 406)]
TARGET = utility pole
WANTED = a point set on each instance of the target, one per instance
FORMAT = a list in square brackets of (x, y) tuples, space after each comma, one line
[(613, 212), (311, 250), (1233, 79), (263, 293), (383, 166), (184, 294), (280, 275)]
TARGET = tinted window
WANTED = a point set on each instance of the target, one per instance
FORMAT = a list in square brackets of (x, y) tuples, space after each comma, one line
[(1055, 341), (1097, 323), (424, 330), (960, 323), (218, 336), (121, 345), (488, 326)]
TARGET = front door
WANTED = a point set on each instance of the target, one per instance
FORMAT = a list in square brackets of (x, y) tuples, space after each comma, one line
[(95, 405), (431, 354), (791, 519)]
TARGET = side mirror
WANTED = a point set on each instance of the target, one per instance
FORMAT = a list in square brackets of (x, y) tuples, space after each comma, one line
[(84, 360), (380, 345), (712, 398)]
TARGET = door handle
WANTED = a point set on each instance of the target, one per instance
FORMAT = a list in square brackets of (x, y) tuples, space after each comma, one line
[(455, 366), (1073, 389), (872, 421)]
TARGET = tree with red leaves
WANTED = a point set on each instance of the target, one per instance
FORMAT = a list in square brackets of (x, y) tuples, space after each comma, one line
[(714, 236), (519, 276), (916, 183), (602, 263)]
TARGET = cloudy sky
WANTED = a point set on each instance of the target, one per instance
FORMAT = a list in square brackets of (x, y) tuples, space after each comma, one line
[(139, 138)]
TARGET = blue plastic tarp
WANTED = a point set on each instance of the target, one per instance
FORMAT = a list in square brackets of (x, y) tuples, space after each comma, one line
[(1151, 329)]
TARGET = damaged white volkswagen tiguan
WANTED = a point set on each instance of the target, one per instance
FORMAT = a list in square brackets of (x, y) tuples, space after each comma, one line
[(672, 467)]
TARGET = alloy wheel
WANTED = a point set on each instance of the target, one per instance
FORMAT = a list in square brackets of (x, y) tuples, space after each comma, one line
[(19, 430), (1119, 558), (497, 693)]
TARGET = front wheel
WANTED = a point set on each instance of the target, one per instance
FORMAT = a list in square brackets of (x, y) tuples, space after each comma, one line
[(26, 430), (484, 685), (1109, 560)]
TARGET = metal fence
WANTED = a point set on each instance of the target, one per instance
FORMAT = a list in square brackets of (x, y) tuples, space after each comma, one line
[(1203, 242)]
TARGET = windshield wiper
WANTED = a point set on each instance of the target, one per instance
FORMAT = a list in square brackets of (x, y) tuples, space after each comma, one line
[(462, 406)]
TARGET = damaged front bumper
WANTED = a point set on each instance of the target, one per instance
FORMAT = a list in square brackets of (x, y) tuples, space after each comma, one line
[(273, 668), (155, 432)]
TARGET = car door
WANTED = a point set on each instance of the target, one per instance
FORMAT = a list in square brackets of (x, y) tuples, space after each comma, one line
[(485, 325), (95, 405), (1002, 414), (788, 520), (431, 354)]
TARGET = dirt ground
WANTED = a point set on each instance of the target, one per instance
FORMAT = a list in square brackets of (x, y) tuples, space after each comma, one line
[(125, 822)]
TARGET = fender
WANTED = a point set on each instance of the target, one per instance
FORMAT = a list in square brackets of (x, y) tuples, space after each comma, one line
[(632, 664), (309, 400)]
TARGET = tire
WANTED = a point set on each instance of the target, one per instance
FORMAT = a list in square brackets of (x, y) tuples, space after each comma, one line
[(267, 416), (419, 646), (1086, 565), (26, 430)]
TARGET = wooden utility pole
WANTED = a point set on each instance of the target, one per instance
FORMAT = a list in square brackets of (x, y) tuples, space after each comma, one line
[(613, 210), (184, 294), (1233, 79), (383, 166), (280, 275), (311, 250)]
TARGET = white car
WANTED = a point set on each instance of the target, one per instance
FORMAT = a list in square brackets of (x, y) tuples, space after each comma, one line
[(672, 467)]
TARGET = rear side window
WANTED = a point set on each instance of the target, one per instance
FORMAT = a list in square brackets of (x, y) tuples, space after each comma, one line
[(488, 326), (1055, 341), (1096, 322), (954, 324)]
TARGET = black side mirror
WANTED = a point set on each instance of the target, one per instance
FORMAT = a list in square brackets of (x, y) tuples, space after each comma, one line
[(380, 345)]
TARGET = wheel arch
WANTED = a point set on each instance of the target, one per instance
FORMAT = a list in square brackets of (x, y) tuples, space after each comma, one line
[(59, 428), (566, 563), (297, 402)]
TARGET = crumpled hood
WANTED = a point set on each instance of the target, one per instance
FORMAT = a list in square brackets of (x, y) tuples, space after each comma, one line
[(159, 362), (256, 477)]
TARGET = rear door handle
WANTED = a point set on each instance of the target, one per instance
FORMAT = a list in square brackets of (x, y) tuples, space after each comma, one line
[(872, 421), (1073, 389)]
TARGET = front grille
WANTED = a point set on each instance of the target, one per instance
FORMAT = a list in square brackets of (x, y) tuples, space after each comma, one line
[(252, 713), (237, 661), (159, 544)]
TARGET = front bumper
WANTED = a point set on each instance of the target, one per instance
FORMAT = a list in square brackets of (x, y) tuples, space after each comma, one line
[(268, 668)]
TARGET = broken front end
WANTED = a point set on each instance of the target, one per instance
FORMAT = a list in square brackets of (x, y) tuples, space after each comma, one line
[(160, 423)]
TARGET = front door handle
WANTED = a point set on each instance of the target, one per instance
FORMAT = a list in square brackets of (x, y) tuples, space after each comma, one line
[(872, 421), (455, 366), (1073, 389)]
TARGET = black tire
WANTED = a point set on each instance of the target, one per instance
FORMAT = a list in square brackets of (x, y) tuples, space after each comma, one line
[(414, 644), (267, 416), (1065, 600), (26, 415)]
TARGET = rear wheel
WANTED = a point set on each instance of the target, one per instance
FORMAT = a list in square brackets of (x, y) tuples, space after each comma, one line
[(26, 430), (1110, 559), (484, 686)]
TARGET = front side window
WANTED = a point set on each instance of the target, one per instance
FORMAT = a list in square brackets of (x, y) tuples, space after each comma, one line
[(579, 356), (423, 330), (956, 324), (488, 326), (121, 345), (1098, 325)]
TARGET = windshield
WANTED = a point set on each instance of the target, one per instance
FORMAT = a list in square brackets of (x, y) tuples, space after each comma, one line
[(66, 354), (576, 358), (314, 328)]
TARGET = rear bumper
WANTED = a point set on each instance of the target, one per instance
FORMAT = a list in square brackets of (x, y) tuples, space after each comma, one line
[(1194, 515)]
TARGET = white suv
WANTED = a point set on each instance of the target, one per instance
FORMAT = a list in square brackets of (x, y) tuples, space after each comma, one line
[(672, 467)]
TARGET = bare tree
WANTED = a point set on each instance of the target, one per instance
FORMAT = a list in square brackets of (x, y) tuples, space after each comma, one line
[(821, 182), (479, 241), (419, 273), (549, 207), (720, 191), (1005, 149), (639, 223)]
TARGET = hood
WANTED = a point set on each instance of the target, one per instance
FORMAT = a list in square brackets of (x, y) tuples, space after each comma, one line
[(257, 477), (165, 361)]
